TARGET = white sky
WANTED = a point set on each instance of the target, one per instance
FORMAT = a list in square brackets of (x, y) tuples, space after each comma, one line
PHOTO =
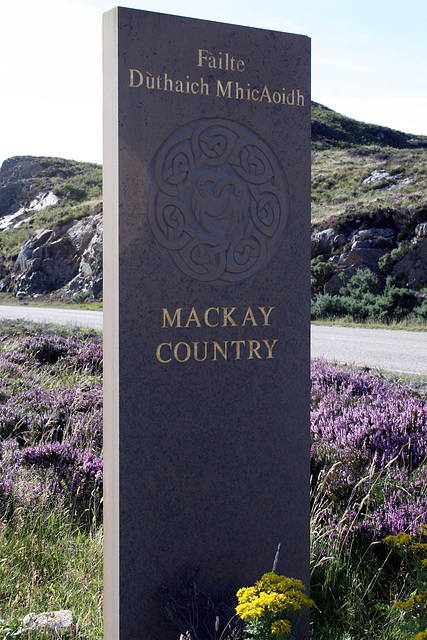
[(369, 62)]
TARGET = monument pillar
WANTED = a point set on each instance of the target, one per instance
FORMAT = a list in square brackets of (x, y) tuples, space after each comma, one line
[(206, 310)]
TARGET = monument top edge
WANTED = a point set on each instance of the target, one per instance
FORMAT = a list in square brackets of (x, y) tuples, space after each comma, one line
[(121, 9)]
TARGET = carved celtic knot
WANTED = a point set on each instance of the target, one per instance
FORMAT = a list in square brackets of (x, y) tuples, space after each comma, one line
[(218, 201)]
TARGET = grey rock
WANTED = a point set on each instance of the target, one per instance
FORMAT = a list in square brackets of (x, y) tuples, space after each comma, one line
[(58, 624), (333, 285), (321, 242), (413, 268), (334, 259), (52, 259), (377, 176), (362, 244), (361, 258), (422, 248), (372, 237), (339, 241), (421, 230), (89, 276)]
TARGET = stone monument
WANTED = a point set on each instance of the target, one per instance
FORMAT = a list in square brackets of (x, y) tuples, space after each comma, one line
[(206, 316)]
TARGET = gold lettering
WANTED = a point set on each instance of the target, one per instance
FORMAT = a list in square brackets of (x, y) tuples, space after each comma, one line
[(223, 352), (239, 92), (255, 91), (193, 318), (149, 81), (291, 98), (249, 316), (168, 83), (270, 347), (254, 349), (177, 317), (188, 350), (266, 315), (227, 311), (131, 79), (220, 88), (237, 343), (206, 316), (223, 61), (179, 86), (204, 88), (195, 349), (300, 99), (202, 56), (265, 94), (158, 352)]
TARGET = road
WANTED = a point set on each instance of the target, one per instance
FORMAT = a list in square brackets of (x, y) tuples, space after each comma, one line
[(388, 349), (91, 319), (391, 350)]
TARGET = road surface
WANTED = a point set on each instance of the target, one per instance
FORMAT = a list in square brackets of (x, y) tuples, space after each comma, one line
[(388, 349), (91, 319), (391, 350)]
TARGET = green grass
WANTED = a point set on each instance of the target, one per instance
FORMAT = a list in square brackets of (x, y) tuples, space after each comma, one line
[(51, 300), (403, 325), (338, 175), (48, 563), (51, 553), (354, 586), (77, 184)]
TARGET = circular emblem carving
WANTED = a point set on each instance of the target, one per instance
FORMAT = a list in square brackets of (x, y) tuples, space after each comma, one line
[(218, 200)]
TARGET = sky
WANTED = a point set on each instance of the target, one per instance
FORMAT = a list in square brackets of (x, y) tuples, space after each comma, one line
[(369, 62)]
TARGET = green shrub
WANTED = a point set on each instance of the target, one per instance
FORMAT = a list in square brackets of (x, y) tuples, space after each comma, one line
[(387, 261), (321, 272), (361, 299), (81, 187), (327, 306)]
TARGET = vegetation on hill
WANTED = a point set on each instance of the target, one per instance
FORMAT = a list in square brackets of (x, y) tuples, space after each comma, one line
[(76, 185), (367, 178), (365, 174), (333, 129), (363, 177)]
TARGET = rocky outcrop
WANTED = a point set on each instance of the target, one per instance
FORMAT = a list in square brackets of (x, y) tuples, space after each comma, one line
[(68, 257), (360, 249), (24, 178), (56, 204), (413, 265), (89, 276)]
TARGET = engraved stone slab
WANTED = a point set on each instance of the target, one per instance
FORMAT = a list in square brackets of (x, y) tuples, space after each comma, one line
[(206, 310), (219, 202)]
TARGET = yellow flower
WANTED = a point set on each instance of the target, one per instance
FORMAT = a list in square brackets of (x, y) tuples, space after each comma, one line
[(399, 540), (271, 596), (281, 627), (421, 636)]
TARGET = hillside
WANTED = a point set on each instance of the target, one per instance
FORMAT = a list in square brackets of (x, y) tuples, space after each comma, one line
[(369, 220), (358, 166), (369, 187), (50, 227)]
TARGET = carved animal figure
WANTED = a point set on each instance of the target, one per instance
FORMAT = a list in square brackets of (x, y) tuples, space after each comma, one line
[(219, 203)]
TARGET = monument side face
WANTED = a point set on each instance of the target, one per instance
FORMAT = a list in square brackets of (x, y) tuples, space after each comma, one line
[(206, 317)]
